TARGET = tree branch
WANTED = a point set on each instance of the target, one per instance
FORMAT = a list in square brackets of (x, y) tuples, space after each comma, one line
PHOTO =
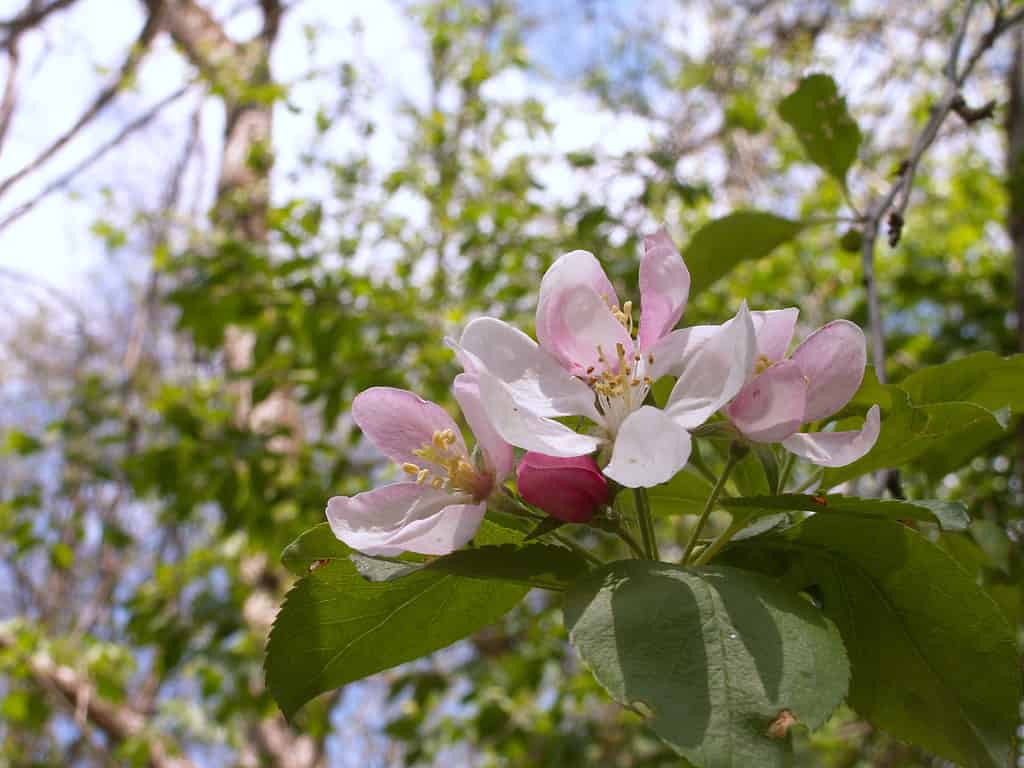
[(103, 98), (119, 722), (65, 179), (32, 16), (892, 206)]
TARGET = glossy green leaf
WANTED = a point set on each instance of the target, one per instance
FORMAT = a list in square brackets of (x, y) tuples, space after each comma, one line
[(712, 656), (548, 566), (818, 114), (951, 515), (934, 661), (718, 246), (335, 626), (940, 432), (313, 546), (984, 379)]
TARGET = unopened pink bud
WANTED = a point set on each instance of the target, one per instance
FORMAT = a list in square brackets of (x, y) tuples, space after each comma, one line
[(570, 489)]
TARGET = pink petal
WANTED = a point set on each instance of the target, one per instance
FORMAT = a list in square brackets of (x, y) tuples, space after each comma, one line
[(536, 380), (580, 329), (833, 359), (774, 330), (771, 407), (836, 449), (664, 288), (448, 530), (398, 422), (371, 522), (649, 449), (526, 429), (672, 353), (571, 270), (715, 373), (499, 453)]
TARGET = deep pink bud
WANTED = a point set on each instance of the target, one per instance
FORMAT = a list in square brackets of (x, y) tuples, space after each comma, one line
[(569, 489)]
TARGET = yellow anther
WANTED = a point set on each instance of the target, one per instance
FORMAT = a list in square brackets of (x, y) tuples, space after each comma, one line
[(437, 483), (648, 380), (635, 382), (410, 469), (421, 476), (449, 436), (762, 364), (637, 357), (650, 359)]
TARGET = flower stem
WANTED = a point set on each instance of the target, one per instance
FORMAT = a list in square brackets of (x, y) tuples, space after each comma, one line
[(698, 462), (787, 469), (631, 542), (734, 456), (815, 477), (643, 513), (713, 548), (576, 547)]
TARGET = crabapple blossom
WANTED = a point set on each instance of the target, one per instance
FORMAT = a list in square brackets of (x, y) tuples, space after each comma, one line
[(813, 383), (591, 361), (440, 506)]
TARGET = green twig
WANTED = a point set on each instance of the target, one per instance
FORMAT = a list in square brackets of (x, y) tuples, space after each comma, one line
[(734, 456), (787, 469), (698, 463), (815, 477), (643, 513), (736, 525), (577, 548)]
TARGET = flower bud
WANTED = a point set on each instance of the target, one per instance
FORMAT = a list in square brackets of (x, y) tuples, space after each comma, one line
[(569, 489)]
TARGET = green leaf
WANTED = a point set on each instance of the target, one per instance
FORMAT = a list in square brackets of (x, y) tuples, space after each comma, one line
[(712, 656), (548, 566), (684, 494), (720, 245), (951, 515), (818, 115), (335, 627), (934, 661), (984, 379), (942, 435), (312, 548)]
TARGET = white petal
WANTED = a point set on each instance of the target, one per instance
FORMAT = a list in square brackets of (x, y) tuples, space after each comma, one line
[(672, 353), (664, 288), (536, 380), (442, 533), (650, 448), (715, 373), (525, 428), (836, 449), (370, 521), (499, 453)]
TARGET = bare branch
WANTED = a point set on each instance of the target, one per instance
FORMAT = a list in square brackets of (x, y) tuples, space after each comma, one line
[(891, 207), (65, 179), (10, 91), (32, 16), (102, 100)]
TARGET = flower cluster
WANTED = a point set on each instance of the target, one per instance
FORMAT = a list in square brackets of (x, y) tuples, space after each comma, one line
[(594, 366)]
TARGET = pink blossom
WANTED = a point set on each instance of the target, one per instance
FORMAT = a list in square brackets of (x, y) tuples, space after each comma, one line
[(440, 506), (813, 383), (588, 363), (570, 489)]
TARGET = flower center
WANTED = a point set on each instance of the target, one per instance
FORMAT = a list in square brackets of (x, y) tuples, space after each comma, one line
[(451, 469), (621, 386), (762, 363)]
